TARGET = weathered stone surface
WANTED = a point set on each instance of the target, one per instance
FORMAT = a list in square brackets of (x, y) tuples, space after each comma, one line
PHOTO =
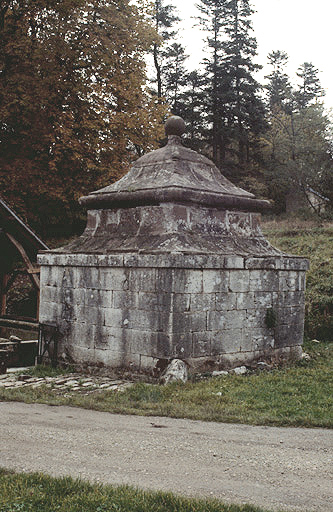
[(219, 373), (69, 383), (157, 229), (239, 370), (173, 174), (175, 371), (197, 321)]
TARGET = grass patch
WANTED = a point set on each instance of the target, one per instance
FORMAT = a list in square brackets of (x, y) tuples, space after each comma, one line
[(39, 493), (298, 395), (315, 242)]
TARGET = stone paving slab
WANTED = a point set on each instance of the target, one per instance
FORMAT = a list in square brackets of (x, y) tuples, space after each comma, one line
[(20, 378)]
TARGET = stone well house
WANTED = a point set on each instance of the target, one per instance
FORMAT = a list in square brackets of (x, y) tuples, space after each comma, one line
[(173, 264)]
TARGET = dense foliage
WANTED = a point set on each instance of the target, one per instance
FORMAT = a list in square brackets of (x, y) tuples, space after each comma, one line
[(73, 105)]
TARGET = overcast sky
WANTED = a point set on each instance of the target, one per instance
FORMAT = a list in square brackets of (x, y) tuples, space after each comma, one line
[(302, 28)]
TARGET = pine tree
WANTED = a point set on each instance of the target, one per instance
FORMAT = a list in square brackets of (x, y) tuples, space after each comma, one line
[(279, 90), (192, 109), (164, 18), (174, 76), (309, 89), (246, 110), (211, 21), (236, 111)]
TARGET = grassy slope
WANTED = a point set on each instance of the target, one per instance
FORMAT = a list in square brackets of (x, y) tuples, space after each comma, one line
[(39, 493)]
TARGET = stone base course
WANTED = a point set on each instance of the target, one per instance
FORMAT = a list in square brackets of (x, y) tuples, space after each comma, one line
[(119, 315)]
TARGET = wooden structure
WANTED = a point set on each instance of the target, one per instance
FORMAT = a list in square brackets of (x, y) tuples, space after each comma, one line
[(17, 241)]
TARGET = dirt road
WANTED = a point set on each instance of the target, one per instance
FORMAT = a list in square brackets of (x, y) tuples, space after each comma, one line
[(277, 468)]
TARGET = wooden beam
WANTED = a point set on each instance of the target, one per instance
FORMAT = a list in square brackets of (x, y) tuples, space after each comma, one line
[(29, 265), (10, 280), (3, 293), (14, 323)]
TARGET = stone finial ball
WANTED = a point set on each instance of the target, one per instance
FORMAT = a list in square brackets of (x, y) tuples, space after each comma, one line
[(175, 125)]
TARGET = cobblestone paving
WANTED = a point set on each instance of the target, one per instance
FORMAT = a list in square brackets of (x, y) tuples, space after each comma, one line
[(69, 382)]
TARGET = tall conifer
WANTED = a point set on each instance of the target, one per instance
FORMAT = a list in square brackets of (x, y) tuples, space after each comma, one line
[(309, 88), (164, 19), (237, 112), (279, 90)]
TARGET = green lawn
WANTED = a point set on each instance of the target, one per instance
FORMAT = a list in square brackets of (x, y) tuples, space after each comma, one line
[(40, 493), (300, 394)]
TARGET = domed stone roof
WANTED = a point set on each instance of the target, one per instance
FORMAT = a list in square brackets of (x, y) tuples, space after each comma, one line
[(174, 174)]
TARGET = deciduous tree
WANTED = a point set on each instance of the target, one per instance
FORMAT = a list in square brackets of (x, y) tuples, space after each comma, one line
[(73, 104), (297, 153)]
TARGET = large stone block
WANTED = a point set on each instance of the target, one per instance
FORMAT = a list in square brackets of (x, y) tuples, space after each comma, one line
[(239, 281), (215, 281), (264, 280), (82, 334), (181, 345), (202, 302), (291, 281), (201, 344), (154, 301), (240, 224), (219, 320), (109, 279), (258, 299), (226, 341), (291, 298), (187, 281), (115, 318), (50, 294), (92, 297), (115, 358), (289, 335), (125, 299), (50, 312), (83, 277), (255, 318), (188, 322), (227, 301), (180, 302), (142, 280)]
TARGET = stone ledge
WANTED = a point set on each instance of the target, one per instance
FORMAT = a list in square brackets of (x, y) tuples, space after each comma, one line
[(277, 263), (173, 260)]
